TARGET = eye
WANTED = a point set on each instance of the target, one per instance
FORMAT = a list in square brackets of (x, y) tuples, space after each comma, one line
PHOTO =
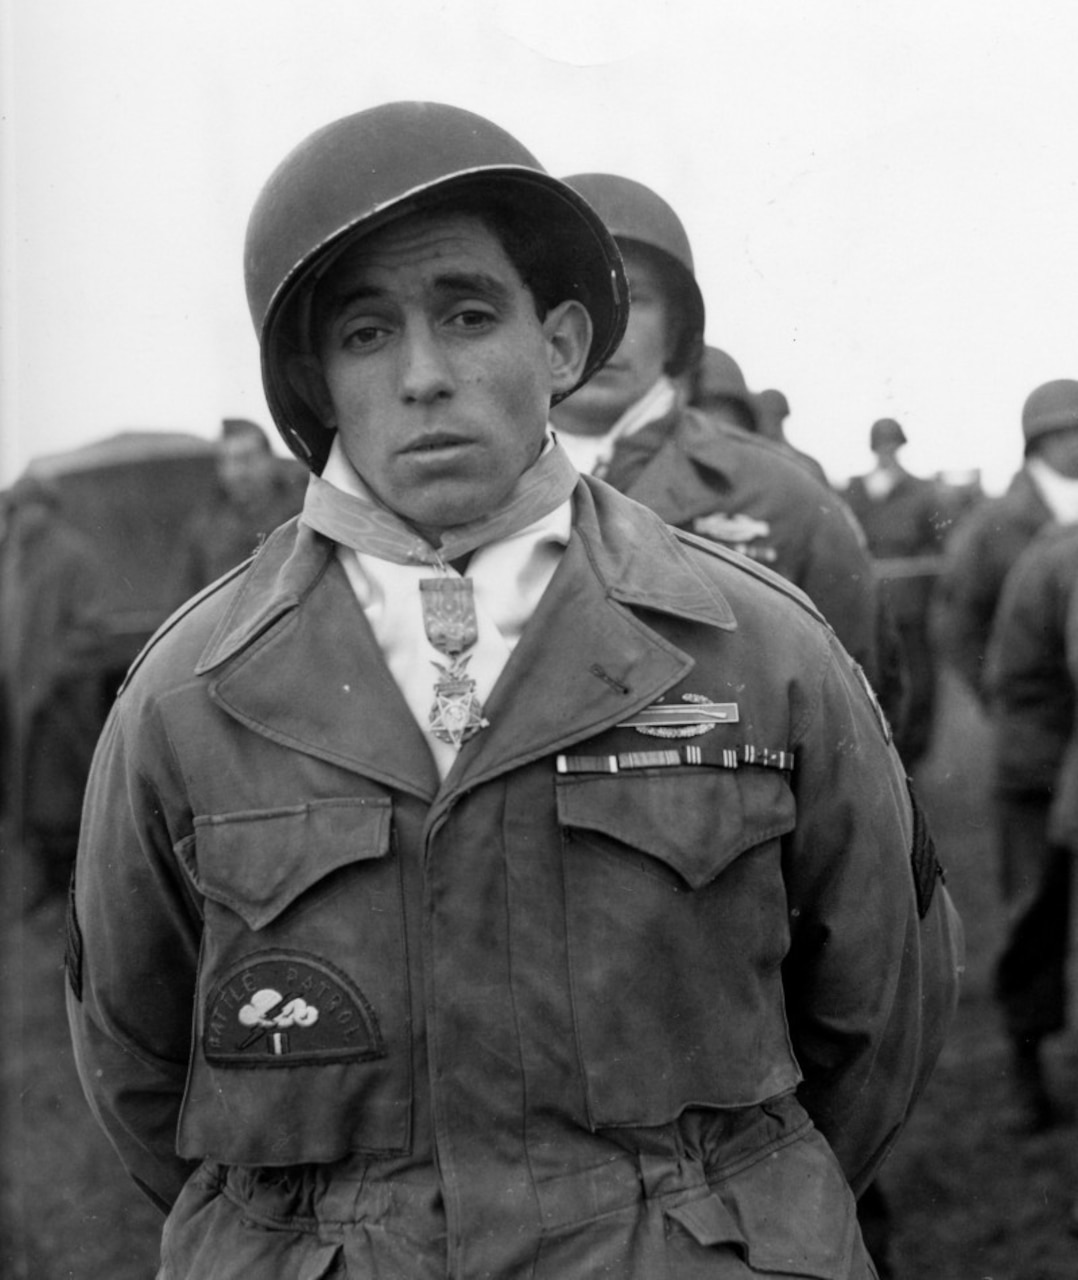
[(363, 335), (471, 318)]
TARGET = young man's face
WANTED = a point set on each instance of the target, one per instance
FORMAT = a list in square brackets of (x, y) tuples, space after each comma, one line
[(638, 362), (438, 372)]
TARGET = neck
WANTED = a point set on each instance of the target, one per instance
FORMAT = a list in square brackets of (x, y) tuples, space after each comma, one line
[(586, 418)]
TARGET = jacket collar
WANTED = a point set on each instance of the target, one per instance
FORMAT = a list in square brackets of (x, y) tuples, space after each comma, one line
[(293, 655), (642, 561)]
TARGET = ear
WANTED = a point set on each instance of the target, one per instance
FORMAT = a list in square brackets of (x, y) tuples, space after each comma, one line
[(567, 329), (306, 379)]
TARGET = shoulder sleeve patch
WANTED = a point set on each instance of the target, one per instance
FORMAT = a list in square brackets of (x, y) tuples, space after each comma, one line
[(926, 866), (73, 945)]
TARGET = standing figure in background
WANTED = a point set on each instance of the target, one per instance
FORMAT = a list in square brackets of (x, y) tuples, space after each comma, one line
[(718, 387), (772, 410), (905, 528), (1032, 705), (257, 491), (629, 426), (51, 642), (984, 545)]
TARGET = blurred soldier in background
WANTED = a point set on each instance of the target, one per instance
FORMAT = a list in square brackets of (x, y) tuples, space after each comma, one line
[(980, 554), (985, 544), (257, 491), (51, 642), (1032, 703), (719, 387), (905, 527), (630, 426)]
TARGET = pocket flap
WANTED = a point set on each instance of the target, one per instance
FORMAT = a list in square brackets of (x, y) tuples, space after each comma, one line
[(709, 1222), (791, 1213), (696, 821), (256, 863)]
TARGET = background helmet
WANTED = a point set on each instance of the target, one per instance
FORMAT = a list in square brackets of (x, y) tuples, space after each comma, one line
[(884, 432), (720, 385), (772, 408), (636, 214), (353, 176), (1053, 406)]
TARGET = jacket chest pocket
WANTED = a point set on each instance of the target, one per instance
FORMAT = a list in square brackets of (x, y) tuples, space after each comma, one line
[(303, 976), (677, 928)]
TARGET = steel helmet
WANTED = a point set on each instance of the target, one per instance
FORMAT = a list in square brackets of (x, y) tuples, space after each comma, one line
[(884, 432), (772, 407), (1053, 406), (356, 174), (639, 215)]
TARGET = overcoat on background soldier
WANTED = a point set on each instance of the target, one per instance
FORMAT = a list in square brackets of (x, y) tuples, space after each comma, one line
[(620, 951), (695, 471), (1031, 700)]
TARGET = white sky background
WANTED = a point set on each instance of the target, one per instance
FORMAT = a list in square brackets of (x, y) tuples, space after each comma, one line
[(882, 196)]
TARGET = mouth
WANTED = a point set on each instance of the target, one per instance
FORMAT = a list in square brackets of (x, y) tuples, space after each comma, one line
[(436, 442)]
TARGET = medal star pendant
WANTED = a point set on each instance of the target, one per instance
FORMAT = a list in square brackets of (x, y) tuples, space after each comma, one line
[(451, 626), (457, 714)]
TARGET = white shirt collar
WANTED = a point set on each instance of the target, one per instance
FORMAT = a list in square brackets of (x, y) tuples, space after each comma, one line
[(1060, 493), (591, 454)]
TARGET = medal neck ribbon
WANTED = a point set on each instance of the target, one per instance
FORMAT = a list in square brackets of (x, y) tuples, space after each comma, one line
[(355, 518), (359, 520)]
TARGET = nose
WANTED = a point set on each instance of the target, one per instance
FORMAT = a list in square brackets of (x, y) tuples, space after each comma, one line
[(426, 375)]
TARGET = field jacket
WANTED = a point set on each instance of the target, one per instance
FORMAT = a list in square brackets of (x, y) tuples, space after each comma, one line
[(1031, 696), (978, 555), (750, 495), (905, 532), (603, 1002)]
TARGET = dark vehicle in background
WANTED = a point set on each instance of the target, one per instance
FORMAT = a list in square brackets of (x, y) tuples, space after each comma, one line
[(89, 568)]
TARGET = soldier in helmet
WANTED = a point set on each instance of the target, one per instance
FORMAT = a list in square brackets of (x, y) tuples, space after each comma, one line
[(719, 388), (905, 524), (985, 544), (772, 410), (702, 474), (472, 884), (255, 493), (980, 557)]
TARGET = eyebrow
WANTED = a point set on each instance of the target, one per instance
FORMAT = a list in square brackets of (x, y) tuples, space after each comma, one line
[(461, 283)]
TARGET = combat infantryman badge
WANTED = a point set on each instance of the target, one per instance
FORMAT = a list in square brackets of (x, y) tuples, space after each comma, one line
[(672, 720), (452, 627)]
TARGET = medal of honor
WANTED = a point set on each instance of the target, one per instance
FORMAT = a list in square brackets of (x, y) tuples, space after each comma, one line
[(451, 625)]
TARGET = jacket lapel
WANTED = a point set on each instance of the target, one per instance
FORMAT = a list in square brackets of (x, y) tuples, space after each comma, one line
[(296, 661), (586, 661), (687, 476)]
